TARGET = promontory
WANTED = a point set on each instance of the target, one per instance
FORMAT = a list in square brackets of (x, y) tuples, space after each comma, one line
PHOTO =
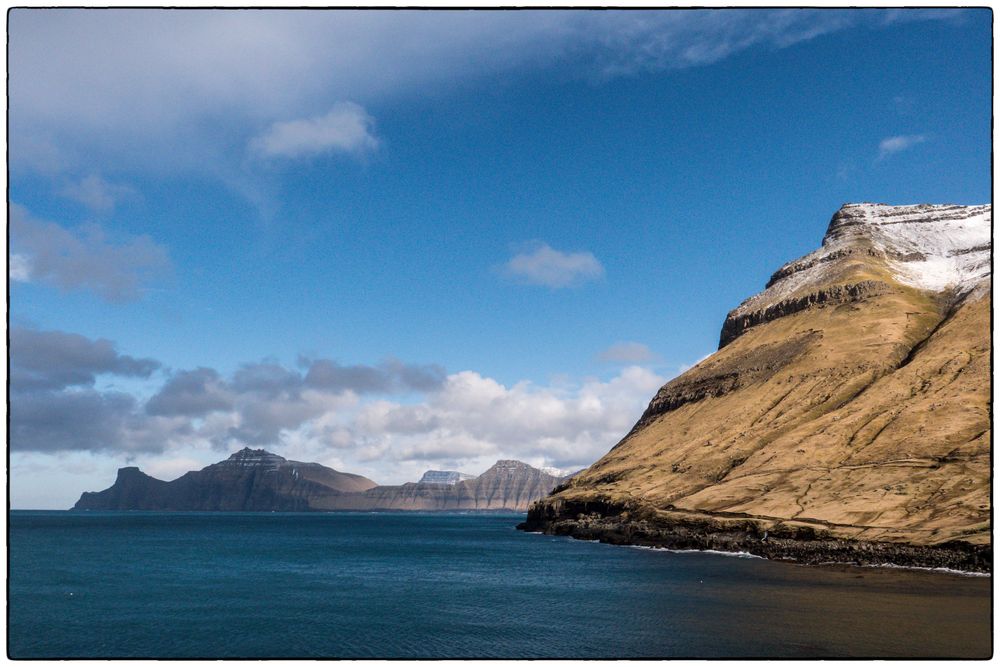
[(846, 415)]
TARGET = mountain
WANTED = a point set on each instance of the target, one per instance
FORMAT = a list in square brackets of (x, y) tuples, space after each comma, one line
[(845, 417), (250, 480), (257, 480), (508, 485)]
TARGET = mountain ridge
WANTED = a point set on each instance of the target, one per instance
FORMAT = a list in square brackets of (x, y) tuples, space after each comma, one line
[(258, 480), (249, 480), (845, 416)]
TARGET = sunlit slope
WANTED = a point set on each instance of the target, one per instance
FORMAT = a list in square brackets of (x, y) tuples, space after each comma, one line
[(852, 395)]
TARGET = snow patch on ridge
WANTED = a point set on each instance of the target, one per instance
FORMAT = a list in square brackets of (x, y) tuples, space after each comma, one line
[(448, 477), (932, 247), (927, 246)]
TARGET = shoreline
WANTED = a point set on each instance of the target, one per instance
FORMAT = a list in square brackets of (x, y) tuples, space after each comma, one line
[(745, 554), (805, 547)]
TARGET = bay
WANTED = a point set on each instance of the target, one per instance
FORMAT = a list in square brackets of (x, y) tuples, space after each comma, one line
[(430, 585)]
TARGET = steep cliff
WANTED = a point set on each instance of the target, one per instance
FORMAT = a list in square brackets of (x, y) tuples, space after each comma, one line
[(846, 415), (508, 485)]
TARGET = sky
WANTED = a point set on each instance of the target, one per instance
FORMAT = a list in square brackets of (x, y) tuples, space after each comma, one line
[(393, 241)]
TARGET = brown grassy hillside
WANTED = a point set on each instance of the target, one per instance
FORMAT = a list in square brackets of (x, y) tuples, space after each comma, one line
[(846, 402)]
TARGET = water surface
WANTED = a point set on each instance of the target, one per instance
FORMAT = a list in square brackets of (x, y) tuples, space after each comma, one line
[(416, 585)]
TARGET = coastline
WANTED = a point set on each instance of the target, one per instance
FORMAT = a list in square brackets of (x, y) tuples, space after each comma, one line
[(799, 544)]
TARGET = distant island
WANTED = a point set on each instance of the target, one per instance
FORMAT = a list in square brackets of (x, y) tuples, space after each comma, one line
[(258, 480)]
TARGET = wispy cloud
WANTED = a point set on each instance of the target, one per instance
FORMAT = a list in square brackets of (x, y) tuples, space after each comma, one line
[(891, 145), (844, 170), (347, 128), (97, 194), (19, 268), (628, 352), (904, 104), (82, 259), (200, 85), (542, 265)]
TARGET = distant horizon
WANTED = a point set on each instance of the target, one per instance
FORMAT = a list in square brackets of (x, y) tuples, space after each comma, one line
[(390, 242)]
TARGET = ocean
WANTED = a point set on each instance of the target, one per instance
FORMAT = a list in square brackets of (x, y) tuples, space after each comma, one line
[(425, 585)]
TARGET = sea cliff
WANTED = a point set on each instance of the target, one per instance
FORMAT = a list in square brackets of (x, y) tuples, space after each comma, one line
[(845, 416)]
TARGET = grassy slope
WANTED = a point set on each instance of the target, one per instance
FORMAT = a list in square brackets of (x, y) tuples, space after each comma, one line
[(869, 419)]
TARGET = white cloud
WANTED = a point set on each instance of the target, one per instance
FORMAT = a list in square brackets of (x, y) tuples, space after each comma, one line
[(475, 420), (19, 268), (628, 352), (552, 268), (891, 145), (111, 88), (347, 128), (97, 194), (43, 251)]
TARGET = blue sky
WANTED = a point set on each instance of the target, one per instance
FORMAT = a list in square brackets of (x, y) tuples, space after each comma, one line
[(441, 238)]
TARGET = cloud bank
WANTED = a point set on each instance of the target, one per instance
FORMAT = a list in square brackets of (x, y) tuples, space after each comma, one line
[(392, 418), (54, 405), (56, 360)]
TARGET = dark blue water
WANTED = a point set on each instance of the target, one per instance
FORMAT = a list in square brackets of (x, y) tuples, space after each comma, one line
[(131, 584)]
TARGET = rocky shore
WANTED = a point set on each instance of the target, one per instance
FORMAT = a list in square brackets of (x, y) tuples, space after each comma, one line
[(773, 540)]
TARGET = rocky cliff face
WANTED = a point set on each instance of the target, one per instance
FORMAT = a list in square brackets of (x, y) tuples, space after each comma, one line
[(508, 485), (257, 480), (846, 415), (249, 480)]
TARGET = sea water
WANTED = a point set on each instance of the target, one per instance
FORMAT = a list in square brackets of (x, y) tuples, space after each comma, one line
[(425, 585)]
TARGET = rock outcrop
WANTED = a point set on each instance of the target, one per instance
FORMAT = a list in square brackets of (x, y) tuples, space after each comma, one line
[(257, 480), (845, 417)]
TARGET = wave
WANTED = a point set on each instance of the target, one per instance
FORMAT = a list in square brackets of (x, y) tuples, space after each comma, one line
[(945, 570), (734, 554)]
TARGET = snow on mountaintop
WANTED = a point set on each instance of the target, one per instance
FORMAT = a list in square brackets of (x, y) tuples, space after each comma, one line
[(927, 246), (449, 477), (931, 247)]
